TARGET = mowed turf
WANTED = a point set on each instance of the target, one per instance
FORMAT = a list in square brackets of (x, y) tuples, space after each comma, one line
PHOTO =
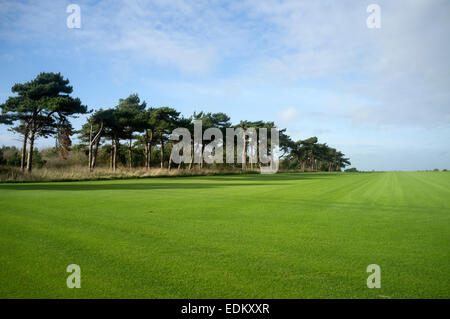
[(305, 235)]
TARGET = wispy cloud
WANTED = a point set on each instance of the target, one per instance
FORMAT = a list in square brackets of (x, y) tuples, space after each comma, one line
[(404, 64), (288, 115), (316, 61)]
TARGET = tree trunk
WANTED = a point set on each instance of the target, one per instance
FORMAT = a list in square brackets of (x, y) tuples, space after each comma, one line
[(146, 155), (115, 155), (201, 163), (192, 158), (30, 152), (244, 155), (24, 151), (148, 140), (251, 158), (94, 153), (258, 164), (93, 145), (111, 160), (146, 149), (150, 155), (130, 154), (90, 149), (170, 161), (162, 153)]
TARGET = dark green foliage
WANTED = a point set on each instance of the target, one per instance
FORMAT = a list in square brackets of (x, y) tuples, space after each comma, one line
[(14, 159), (313, 156), (10, 155), (42, 107), (2, 160), (131, 133)]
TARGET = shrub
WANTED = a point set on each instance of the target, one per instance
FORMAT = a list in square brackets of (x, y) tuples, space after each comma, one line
[(2, 160), (14, 159), (37, 159), (53, 159)]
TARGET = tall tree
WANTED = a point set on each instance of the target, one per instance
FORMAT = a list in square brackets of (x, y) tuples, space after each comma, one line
[(316, 156), (185, 122), (92, 132), (132, 118), (114, 132), (147, 138), (244, 125), (22, 129), (164, 120), (211, 120), (42, 105)]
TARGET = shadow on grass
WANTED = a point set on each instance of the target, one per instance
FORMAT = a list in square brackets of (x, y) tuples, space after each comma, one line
[(96, 186), (273, 177), (174, 183)]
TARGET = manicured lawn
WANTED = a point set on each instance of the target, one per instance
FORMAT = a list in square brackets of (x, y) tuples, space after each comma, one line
[(305, 235)]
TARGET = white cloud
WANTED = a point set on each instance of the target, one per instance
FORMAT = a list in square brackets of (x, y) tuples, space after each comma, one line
[(404, 65), (396, 75), (288, 115)]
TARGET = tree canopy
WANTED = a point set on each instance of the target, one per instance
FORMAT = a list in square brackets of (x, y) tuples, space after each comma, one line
[(43, 107)]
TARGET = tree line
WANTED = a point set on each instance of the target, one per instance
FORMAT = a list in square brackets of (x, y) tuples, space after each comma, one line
[(43, 107)]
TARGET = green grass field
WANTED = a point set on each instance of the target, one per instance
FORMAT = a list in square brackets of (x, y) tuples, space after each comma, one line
[(304, 235)]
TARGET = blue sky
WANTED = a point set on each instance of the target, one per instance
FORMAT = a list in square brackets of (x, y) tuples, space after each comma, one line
[(382, 96)]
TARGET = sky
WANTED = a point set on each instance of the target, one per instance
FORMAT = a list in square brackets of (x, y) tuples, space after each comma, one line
[(380, 95)]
